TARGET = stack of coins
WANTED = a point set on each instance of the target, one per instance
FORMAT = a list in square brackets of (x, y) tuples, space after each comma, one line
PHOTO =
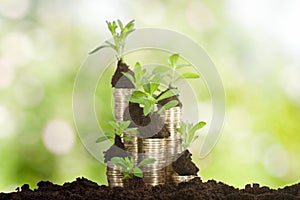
[(178, 179), (121, 102), (171, 156), (154, 174), (132, 146), (172, 120), (114, 175)]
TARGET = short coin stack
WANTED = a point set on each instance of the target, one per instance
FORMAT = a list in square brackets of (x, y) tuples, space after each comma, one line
[(178, 179), (114, 175), (154, 174)]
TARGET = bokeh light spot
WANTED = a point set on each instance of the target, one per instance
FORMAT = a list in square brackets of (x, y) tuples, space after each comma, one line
[(29, 91), (7, 73), (199, 16), (276, 160), (14, 9), (7, 124), (58, 136)]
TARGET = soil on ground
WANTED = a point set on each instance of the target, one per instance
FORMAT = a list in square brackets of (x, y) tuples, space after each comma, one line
[(184, 165), (118, 79), (83, 189)]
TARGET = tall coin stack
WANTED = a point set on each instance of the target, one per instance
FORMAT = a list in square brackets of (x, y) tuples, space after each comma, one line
[(154, 174), (114, 174), (173, 143)]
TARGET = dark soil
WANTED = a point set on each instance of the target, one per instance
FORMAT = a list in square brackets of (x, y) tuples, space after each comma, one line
[(155, 129), (135, 183), (150, 126), (164, 101), (118, 150), (135, 114), (118, 79), (83, 189), (184, 165)]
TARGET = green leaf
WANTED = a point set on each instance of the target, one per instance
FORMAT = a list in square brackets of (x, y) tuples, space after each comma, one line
[(146, 161), (138, 100), (101, 139), (173, 60), (160, 70), (118, 162), (190, 75), (112, 26), (138, 93), (146, 87), (131, 130), (153, 87), (129, 26), (114, 124), (200, 125), (167, 94), (124, 124), (126, 175), (147, 108), (128, 138), (120, 24), (168, 105), (137, 172), (98, 48)]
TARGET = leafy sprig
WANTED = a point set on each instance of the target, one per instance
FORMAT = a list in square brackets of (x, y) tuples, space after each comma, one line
[(128, 168), (148, 98), (160, 72), (120, 128), (140, 76), (119, 33), (188, 132)]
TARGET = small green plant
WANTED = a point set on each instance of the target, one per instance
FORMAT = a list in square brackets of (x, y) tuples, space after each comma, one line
[(128, 168), (119, 33), (149, 99), (161, 72), (119, 129), (140, 76), (188, 132)]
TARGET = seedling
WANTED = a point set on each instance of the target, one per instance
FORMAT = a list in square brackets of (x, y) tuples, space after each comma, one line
[(128, 168), (119, 33), (161, 72), (188, 132), (140, 76), (149, 100), (119, 129)]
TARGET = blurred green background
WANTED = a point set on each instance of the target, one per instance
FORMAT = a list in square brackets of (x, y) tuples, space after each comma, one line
[(254, 45)]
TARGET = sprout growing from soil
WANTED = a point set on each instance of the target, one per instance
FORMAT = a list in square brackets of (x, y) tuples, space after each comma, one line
[(139, 78), (119, 129), (119, 33), (128, 167), (149, 99), (188, 132)]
